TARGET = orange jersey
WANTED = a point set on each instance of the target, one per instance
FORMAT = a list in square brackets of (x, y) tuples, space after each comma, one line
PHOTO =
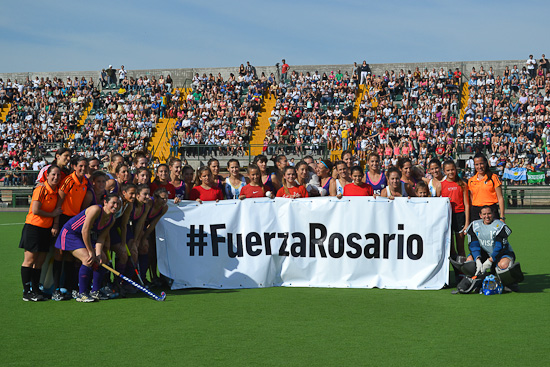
[(48, 198), (75, 191), (483, 191)]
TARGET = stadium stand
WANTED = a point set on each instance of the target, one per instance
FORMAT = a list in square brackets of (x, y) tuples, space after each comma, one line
[(420, 112)]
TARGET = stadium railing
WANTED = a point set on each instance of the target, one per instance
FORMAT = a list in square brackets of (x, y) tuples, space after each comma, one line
[(204, 150)]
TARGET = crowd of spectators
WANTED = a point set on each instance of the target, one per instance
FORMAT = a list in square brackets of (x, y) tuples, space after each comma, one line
[(42, 112), (311, 111), (218, 115), (412, 113), (508, 116)]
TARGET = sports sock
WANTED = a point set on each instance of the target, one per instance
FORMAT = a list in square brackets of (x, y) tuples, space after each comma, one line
[(26, 278), (36, 279), (74, 268), (97, 279), (143, 261), (120, 267), (85, 277), (57, 266), (129, 270)]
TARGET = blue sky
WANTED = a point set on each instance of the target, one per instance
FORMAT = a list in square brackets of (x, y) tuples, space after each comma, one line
[(76, 35)]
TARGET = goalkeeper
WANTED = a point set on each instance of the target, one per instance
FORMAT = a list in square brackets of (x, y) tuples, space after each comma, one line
[(490, 249)]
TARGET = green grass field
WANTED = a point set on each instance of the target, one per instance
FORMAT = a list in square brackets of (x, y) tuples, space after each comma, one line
[(285, 326)]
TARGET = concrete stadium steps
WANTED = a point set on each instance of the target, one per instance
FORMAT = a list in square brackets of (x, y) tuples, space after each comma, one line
[(159, 143), (4, 111), (83, 117), (258, 134), (464, 101), (360, 95), (335, 154)]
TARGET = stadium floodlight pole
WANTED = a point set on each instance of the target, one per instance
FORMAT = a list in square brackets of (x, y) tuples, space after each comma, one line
[(143, 289)]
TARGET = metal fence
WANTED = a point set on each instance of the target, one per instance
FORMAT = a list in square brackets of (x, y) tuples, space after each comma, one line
[(207, 151)]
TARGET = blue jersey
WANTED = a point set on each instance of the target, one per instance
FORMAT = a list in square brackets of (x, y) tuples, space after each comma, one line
[(76, 223), (377, 187), (180, 190), (70, 237), (269, 183)]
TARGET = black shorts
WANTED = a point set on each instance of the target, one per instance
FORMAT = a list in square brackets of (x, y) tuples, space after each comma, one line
[(35, 239), (458, 221), (476, 210)]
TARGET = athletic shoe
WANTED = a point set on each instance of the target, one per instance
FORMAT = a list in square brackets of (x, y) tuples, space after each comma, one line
[(33, 297), (42, 295), (74, 294), (57, 295), (128, 288), (98, 296), (84, 297), (109, 292), (512, 287)]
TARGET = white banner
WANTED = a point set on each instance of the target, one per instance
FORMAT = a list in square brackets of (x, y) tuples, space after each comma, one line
[(357, 242)]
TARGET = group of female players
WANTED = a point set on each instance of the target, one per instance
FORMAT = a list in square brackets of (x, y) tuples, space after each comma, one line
[(87, 214), (90, 214), (308, 178)]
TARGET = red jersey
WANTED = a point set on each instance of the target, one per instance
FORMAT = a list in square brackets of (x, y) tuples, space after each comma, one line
[(155, 185), (454, 192), (293, 192), (363, 189), (253, 191), (212, 194)]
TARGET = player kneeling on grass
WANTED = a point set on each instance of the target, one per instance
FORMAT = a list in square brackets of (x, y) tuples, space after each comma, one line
[(491, 251), (84, 236)]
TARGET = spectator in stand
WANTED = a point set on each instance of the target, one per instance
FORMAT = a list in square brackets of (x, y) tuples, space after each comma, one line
[(111, 74), (284, 70)]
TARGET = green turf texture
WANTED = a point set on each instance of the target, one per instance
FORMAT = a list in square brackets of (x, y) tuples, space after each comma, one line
[(285, 326)]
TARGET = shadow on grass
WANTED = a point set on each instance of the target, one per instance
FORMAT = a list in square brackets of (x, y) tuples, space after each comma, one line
[(535, 283)]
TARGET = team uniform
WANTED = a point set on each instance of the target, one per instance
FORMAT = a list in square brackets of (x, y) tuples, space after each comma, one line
[(292, 192), (326, 187), (36, 234), (155, 185), (339, 188), (378, 186), (403, 190), (358, 190), (75, 191), (179, 190), (115, 231), (95, 199), (490, 240), (431, 188), (454, 192), (135, 216), (115, 188), (70, 238), (483, 193), (269, 183), (232, 192), (253, 191), (212, 194)]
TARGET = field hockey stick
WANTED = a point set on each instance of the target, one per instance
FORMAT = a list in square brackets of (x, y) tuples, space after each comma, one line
[(136, 268), (143, 289)]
